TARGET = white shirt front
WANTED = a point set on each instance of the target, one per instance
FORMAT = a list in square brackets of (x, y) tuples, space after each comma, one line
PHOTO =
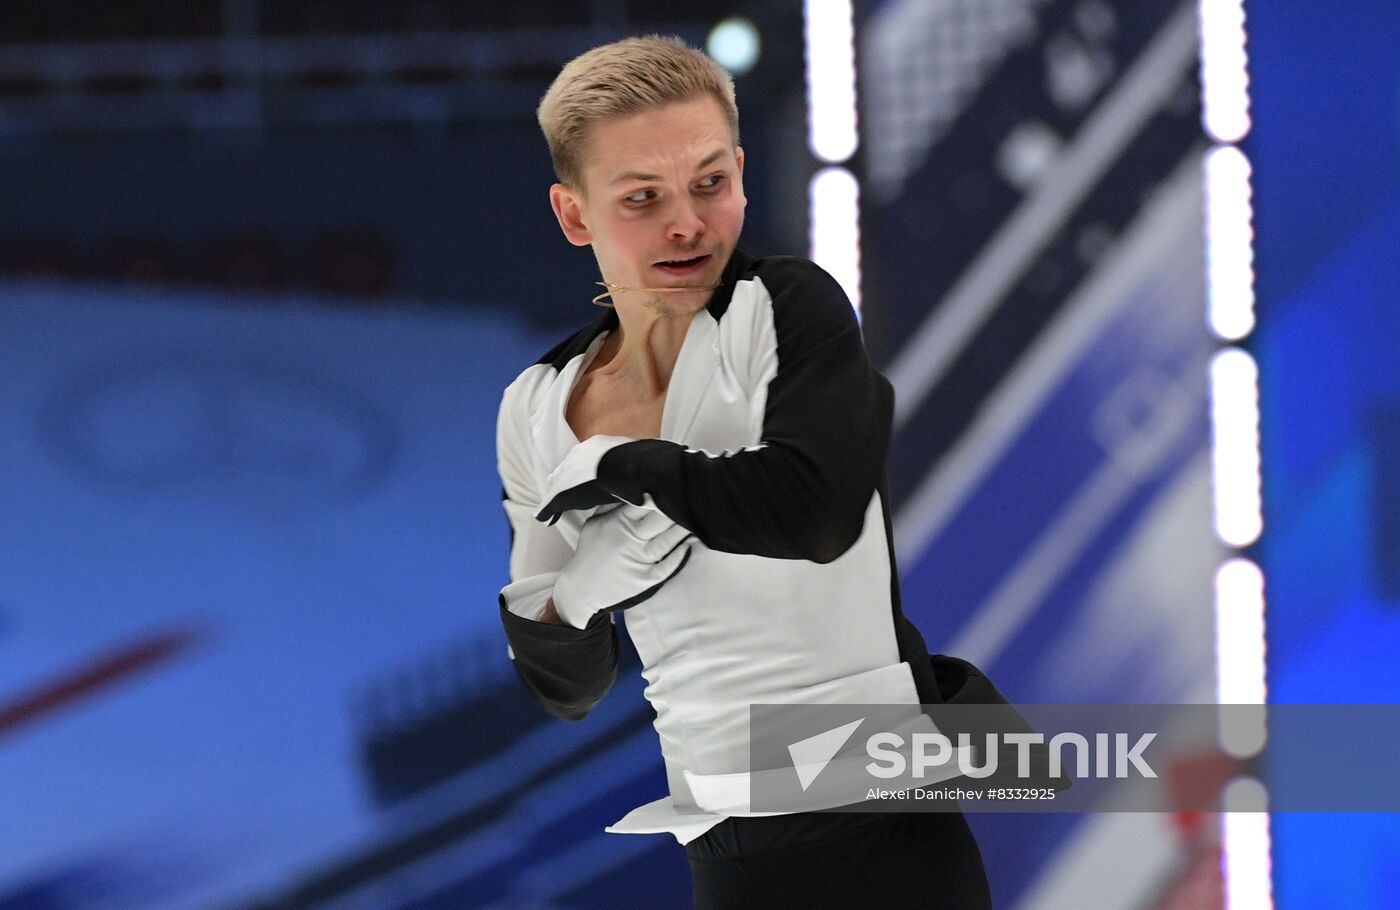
[(775, 428)]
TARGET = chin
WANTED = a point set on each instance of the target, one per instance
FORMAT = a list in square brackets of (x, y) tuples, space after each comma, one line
[(680, 304)]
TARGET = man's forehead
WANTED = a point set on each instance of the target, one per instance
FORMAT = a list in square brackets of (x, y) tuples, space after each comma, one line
[(645, 167), (693, 131)]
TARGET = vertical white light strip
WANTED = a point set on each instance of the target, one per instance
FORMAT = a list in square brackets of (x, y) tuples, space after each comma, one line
[(831, 79), (1248, 864), (833, 195), (834, 201), (1229, 243), (1224, 70), (1234, 418), (1239, 633), (1240, 643)]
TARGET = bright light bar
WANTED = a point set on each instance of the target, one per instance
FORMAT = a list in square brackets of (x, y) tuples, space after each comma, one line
[(831, 79), (1234, 417), (1239, 634), (834, 207), (1245, 862), (1240, 643), (1229, 243), (1224, 70)]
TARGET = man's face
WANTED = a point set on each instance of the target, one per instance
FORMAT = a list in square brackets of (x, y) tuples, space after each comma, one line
[(662, 202)]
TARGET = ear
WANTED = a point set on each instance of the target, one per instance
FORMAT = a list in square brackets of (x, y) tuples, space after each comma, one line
[(739, 162), (568, 209)]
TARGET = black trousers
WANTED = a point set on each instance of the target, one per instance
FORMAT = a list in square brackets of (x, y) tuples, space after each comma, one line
[(839, 860)]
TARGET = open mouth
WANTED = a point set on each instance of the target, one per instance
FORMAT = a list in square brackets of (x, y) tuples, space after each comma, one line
[(682, 266)]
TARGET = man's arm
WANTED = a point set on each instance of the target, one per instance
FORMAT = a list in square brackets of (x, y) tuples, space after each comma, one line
[(804, 491), (566, 670)]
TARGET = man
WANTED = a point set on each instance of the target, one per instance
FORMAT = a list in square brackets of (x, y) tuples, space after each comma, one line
[(706, 460)]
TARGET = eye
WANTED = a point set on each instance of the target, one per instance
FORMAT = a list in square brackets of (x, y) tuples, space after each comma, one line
[(711, 182), (640, 197)]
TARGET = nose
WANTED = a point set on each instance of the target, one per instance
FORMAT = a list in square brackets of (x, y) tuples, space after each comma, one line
[(685, 222)]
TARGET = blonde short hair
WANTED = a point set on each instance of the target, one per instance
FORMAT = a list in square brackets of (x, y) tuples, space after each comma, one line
[(623, 78)]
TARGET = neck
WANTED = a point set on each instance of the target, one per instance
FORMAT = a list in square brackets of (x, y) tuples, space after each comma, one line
[(645, 345)]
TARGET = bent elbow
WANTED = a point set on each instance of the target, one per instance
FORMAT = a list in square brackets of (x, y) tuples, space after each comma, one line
[(567, 712), (578, 707), (828, 541), (567, 703)]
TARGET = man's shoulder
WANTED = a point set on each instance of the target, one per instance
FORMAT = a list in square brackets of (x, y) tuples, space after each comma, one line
[(785, 268), (570, 347), (574, 344), (538, 376), (800, 287)]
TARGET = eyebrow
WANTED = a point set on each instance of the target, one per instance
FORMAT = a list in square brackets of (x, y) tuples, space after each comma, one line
[(634, 175)]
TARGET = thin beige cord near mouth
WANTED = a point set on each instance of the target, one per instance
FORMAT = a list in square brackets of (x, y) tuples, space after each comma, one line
[(613, 288)]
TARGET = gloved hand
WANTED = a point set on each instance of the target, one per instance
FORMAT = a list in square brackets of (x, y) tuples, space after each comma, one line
[(624, 556), (574, 484)]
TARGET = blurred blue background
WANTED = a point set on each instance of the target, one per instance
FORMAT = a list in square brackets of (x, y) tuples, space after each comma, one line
[(265, 270), (1326, 149)]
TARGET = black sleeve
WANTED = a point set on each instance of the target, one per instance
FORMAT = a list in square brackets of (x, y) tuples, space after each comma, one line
[(567, 670), (803, 492)]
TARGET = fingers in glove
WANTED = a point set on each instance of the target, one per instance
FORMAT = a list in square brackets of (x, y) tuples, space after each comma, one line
[(644, 525), (660, 546), (675, 561), (645, 521)]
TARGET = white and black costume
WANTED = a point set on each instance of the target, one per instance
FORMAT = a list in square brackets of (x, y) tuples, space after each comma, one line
[(772, 453)]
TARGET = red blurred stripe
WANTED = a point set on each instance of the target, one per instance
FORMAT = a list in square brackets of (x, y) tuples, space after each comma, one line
[(99, 673)]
